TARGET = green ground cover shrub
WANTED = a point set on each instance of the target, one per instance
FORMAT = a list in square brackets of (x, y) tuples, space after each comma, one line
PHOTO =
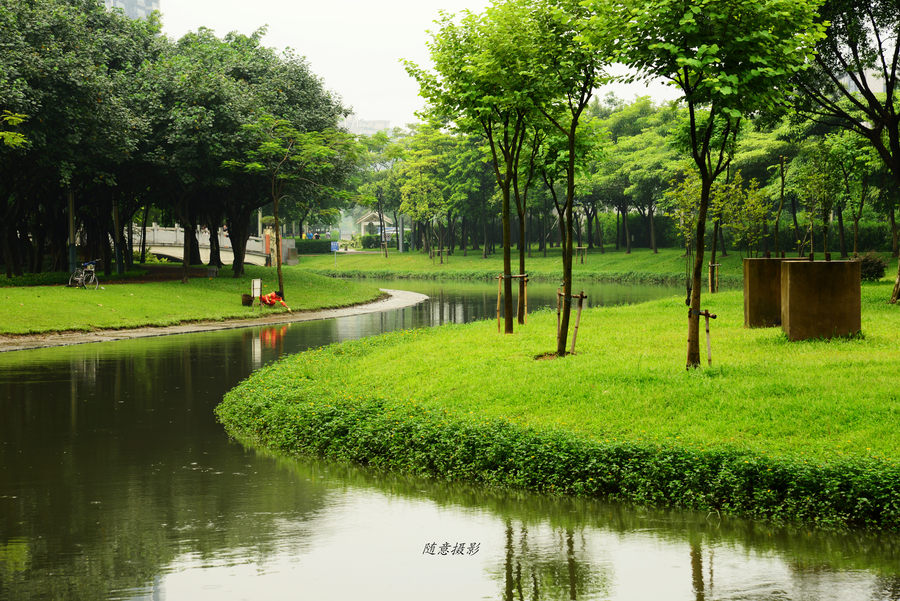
[(775, 430), (871, 267)]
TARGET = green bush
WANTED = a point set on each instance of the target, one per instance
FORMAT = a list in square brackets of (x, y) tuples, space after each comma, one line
[(371, 241), (404, 437), (312, 247), (47, 278), (871, 267), (148, 258)]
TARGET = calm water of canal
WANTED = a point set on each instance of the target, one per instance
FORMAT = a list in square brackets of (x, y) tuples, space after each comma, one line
[(117, 483)]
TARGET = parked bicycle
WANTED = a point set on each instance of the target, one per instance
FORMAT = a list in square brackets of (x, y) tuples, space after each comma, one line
[(85, 276)]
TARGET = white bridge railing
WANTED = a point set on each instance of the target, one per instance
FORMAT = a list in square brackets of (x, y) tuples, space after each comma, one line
[(174, 236)]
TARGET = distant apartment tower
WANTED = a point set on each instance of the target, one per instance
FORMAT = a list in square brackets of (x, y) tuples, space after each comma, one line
[(359, 126), (136, 9)]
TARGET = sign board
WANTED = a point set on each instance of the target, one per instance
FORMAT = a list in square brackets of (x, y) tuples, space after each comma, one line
[(334, 246), (255, 288)]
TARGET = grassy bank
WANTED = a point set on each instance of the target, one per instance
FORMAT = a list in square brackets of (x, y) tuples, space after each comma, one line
[(641, 266), (35, 309), (776, 430)]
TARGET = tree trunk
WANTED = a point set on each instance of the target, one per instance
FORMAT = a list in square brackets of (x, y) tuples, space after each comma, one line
[(462, 237), (589, 223), (484, 252), (567, 245), (528, 231), (895, 248), (39, 235), (618, 235), (144, 234), (185, 243), (565, 231), (398, 232), (129, 243), (780, 207), (381, 234), (627, 233), (215, 252), (895, 293), (712, 255), (577, 225), (796, 225), (600, 233), (117, 238), (693, 345), (652, 232), (275, 200), (840, 214), (544, 233), (238, 222), (507, 264)]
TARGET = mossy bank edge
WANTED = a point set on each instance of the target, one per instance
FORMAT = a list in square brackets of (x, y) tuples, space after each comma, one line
[(431, 411)]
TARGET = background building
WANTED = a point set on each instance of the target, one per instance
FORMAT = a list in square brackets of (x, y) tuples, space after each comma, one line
[(136, 9), (358, 126)]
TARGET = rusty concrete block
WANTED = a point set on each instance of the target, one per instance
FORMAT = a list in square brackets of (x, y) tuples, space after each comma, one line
[(762, 292), (820, 299)]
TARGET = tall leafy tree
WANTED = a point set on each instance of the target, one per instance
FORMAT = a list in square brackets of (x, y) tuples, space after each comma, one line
[(479, 83), (383, 157), (570, 46), (729, 59), (283, 155)]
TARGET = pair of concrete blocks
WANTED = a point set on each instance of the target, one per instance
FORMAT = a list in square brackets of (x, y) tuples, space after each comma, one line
[(809, 299)]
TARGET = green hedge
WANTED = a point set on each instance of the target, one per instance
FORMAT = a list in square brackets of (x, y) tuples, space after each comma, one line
[(313, 247), (370, 241), (410, 439)]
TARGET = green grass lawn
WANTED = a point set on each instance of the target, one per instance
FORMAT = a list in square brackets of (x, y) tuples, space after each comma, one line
[(667, 266), (627, 381), (35, 309), (821, 414), (641, 265)]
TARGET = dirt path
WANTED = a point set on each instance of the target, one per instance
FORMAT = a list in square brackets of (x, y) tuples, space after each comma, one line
[(396, 299)]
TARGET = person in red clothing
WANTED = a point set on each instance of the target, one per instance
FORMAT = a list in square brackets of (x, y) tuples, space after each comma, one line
[(272, 298)]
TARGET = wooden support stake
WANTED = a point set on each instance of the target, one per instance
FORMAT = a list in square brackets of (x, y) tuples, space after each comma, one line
[(526, 299), (499, 292), (558, 311), (580, 298), (708, 316), (714, 277), (708, 345)]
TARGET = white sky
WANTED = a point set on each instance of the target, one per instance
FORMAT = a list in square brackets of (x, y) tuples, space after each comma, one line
[(355, 46)]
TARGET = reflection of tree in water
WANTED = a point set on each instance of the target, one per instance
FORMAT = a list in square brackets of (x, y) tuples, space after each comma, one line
[(556, 574), (697, 570)]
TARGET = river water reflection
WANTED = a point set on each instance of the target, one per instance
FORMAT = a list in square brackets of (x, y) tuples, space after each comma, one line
[(117, 483)]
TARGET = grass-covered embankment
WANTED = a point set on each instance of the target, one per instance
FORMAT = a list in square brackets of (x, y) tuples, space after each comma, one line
[(802, 432), (641, 266), (36, 309)]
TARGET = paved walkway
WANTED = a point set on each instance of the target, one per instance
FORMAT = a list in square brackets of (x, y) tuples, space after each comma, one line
[(395, 299)]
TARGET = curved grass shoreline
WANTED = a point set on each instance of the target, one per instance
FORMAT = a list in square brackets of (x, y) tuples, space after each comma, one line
[(775, 430), (31, 310)]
